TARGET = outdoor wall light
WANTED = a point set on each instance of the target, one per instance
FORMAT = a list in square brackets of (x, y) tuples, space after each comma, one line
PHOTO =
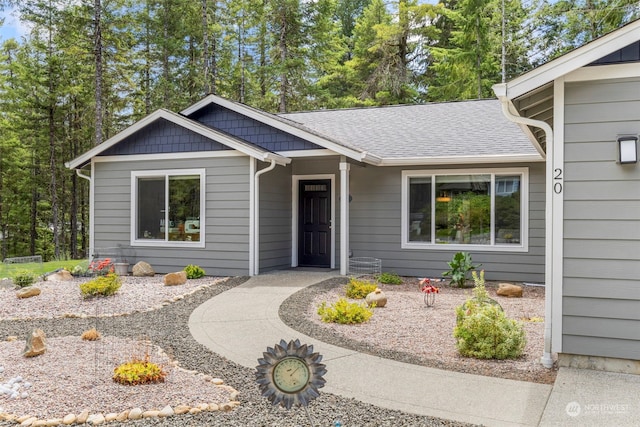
[(627, 149)]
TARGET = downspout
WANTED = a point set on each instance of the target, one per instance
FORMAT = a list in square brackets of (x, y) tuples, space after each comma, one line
[(256, 228), (501, 91)]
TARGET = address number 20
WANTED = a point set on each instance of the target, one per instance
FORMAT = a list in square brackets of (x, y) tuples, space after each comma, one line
[(557, 180)]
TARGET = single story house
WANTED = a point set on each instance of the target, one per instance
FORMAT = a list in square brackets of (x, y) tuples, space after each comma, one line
[(531, 184)]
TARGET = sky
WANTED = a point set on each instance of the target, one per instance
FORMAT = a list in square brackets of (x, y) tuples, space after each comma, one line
[(12, 26)]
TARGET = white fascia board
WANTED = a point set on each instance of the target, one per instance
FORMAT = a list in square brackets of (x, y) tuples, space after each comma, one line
[(604, 72), (573, 60), (186, 123), (264, 118), (451, 160)]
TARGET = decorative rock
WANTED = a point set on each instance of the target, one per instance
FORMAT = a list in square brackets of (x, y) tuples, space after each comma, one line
[(181, 409), (28, 292), (376, 297), (59, 276), (53, 422), (110, 417), (36, 344), (135, 414), (27, 420), (143, 269), (167, 411), (69, 419), (213, 407), (39, 423), (12, 338), (150, 414), (122, 416), (217, 381), (174, 279), (96, 419), (194, 411), (226, 406), (23, 418), (509, 290), (234, 395), (83, 417)]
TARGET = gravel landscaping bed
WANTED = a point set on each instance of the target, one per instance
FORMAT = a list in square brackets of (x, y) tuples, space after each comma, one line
[(167, 328), (407, 330)]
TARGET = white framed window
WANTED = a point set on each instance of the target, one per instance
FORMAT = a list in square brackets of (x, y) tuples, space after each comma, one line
[(465, 209), (167, 207)]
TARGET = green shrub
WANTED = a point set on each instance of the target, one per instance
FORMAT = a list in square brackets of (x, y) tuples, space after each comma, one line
[(194, 271), (344, 312), (483, 330), (459, 268), (390, 279), (101, 286), (358, 289), (23, 278)]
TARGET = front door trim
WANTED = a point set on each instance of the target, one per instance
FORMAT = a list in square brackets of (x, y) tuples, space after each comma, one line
[(295, 197)]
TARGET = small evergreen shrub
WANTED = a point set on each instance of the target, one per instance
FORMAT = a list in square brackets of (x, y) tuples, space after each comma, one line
[(194, 271), (390, 278), (483, 330), (101, 286), (344, 312), (23, 278), (358, 289), (139, 371)]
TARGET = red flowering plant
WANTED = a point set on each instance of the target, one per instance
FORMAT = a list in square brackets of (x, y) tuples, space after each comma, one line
[(429, 291), (101, 267)]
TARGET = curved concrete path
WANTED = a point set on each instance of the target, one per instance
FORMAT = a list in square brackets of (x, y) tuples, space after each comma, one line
[(241, 323)]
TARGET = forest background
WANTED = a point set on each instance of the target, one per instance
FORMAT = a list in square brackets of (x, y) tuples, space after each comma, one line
[(87, 69)]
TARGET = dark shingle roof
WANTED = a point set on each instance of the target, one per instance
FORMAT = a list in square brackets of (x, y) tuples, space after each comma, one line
[(448, 129)]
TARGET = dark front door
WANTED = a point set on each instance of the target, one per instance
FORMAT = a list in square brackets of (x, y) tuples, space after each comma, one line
[(314, 228)]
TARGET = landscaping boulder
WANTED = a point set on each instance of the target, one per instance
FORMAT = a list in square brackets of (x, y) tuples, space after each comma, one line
[(59, 276), (143, 269), (377, 298), (36, 344), (509, 290), (174, 279), (28, 292)]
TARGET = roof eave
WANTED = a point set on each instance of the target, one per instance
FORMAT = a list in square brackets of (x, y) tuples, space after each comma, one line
[(455, 160)]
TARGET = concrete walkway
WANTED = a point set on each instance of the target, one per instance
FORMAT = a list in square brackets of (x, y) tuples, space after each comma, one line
[(241, 323)]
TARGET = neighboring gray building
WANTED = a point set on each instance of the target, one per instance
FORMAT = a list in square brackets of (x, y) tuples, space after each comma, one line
[(530, 184)]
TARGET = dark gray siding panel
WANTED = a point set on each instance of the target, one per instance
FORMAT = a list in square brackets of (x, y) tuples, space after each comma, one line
[(163, 136), (275, 219), (376, 230), (250, 130), (629, 53), (227, 215), (601, 285)]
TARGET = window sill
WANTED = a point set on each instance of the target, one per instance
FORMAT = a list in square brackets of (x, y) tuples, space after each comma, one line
[(465, 248), (167, 244)]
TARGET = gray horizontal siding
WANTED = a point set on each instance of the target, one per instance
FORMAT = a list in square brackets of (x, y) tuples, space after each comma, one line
[(227, 215), (376, 230), (275, 219), (601, 283)]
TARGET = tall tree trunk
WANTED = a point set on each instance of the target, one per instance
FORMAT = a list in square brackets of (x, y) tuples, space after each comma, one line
[(284, 83), (165, 54), (147, 58), (52, 144), (478, 56), (97, 40), (206, 60), (33, 220)]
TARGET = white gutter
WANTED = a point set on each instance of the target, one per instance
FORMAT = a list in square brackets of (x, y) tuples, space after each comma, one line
[(501, 92), (256, 207)]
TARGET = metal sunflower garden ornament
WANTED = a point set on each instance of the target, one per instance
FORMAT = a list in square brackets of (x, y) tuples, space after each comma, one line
[(290, 374)]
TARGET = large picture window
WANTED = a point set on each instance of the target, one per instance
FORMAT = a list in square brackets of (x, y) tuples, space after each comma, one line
[(168, 207), (465, 209)]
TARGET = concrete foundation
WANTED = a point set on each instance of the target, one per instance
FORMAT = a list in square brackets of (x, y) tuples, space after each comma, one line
[(609, 364)]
